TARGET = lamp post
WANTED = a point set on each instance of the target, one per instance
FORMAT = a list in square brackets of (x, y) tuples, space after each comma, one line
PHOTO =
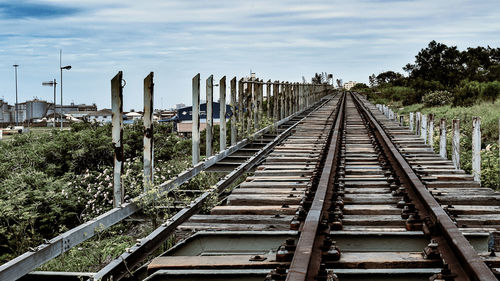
[(67, 67), (52, 84), (17, 115)]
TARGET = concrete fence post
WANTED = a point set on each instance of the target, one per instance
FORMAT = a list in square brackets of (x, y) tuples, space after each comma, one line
[(442, 138), (423, 130), (222, 113), (455, 143), (117, 137), (195, 115), (282, 100), (258, 104), (148, 159), (476, 148), (250, 109), (418, 123), (412, 120), (233, 112), (268, 99), (431, 131), (276, 103), (241, 109), (401, 120), (210, 117)]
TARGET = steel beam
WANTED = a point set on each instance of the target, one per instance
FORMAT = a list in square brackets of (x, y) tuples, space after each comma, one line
[(117, 137), (195, 116), (222, 114), (148, 131), (210, 117)]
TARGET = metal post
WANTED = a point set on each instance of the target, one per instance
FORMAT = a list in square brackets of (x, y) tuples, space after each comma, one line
[(55, 86), (431, 131), (455, 143), (16, 109), (442, 138), (195, 115), (411, 121), (282, 100), (233, 112), (417, 124), (476, 148), (148, 131), (260, 102), (268, 99), (241, 109), (250, 109), (210, 117), (276, 108), (222, 117), (423, 130), (117, 137), (256, 104)]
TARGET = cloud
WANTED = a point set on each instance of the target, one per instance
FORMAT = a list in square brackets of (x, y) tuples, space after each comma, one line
[(282, 40), (27, 9)]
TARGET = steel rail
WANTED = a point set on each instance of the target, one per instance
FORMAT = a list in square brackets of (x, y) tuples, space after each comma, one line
[(307, 257), (124, 264), (454, 248), (25, 263)]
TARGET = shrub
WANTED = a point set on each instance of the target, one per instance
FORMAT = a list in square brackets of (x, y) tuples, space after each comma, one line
[(467, 93), (490, 91), (437, 98), (405, 94)]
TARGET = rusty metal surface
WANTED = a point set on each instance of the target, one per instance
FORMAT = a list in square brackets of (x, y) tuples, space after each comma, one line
[(305, 263), (454, 247), (148, 159), (210, 117), (117, 136), (122, 265), (195, 135)]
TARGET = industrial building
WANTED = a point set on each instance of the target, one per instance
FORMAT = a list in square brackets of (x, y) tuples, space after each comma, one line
[(35, 109)]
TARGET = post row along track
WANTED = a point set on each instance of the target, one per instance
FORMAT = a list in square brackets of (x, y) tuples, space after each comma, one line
[(342, 194)]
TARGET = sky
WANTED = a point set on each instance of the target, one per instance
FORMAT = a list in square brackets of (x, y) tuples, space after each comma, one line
[(176, 39)]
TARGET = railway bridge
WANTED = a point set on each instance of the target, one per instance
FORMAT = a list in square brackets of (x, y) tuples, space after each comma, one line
[(332, 190)]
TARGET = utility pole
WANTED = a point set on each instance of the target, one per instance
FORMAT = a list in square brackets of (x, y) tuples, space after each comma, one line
[(17, 114)]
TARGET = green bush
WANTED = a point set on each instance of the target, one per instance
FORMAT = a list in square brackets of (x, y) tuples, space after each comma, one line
[(490, 91), (397, 93), (467, 93), (437, 98)]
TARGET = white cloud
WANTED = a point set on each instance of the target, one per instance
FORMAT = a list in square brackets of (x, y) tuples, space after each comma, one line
[(177, 39)]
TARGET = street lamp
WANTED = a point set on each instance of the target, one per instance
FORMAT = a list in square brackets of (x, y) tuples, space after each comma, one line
[(17, 115), (67, 67), (52, 84)]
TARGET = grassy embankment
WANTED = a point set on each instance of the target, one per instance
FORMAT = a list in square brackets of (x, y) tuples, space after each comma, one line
[(489, 113)]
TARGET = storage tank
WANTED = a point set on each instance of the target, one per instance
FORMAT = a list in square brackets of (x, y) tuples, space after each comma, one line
[(36, 109)]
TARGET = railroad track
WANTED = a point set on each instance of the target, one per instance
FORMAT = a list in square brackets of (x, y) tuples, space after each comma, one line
[(332, 201), (348, 195)]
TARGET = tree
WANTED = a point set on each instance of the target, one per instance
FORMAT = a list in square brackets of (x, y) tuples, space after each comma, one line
[(437, 62)]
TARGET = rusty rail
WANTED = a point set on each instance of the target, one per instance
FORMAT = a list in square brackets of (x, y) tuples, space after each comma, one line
[(454, 248), (307, 258)]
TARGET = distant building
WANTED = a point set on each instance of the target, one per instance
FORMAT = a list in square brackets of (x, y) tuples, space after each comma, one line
[(35, 110), (184, 117), (180, 105), (349, 85), (101, 116)]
